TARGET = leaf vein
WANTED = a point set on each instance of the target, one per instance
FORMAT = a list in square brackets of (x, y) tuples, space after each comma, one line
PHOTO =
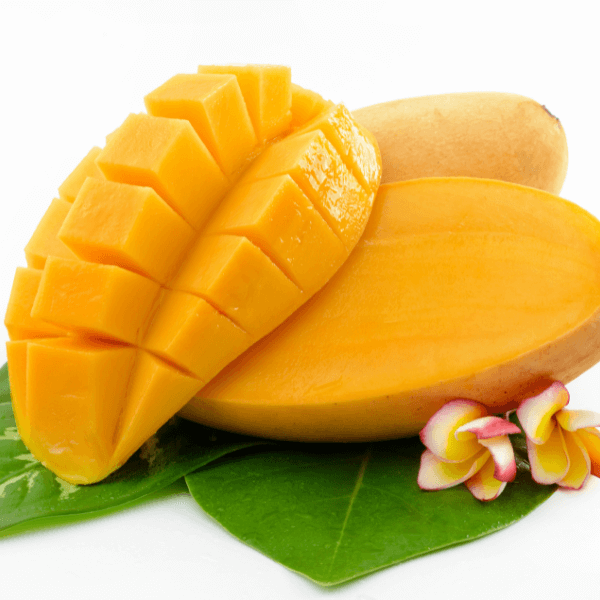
[(357, 486)]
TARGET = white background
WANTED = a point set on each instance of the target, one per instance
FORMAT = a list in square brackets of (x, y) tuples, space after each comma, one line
[(72, 72)]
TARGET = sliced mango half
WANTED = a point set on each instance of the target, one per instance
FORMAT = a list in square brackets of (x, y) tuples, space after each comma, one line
[(198, 228)]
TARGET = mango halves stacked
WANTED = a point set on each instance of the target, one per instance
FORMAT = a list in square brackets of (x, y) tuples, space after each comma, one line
[(198, 229)]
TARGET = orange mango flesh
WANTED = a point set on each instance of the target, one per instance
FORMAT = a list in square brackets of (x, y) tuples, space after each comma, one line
[(306, 105), (70, 187), (44, 242), (267, 91), (18, 320), (182, 253), (459, 288)]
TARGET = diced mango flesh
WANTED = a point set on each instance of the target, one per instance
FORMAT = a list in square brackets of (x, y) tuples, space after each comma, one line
[(70, 187), (95, 300), (275, 215), (18, 320), (353, 144), (191, 333), (168, 156), (44, 241), (16, 353), (77, 386), (312, 162), (127, 226), (215, 107), (233, 275), (267, 90), (156, 391), (179, 262), (306, 105)]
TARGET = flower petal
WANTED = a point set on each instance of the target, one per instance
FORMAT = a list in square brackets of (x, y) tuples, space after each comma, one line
[(549, 462), (438, 434), (572, 420), (591, 440), (435, 474), (487, 427), (579, 462), (505, 467), (483, 485), (535, 414)]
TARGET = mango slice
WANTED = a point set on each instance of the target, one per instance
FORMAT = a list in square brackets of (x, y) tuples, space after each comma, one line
[(188, 237), (478, 134), (459, 288)]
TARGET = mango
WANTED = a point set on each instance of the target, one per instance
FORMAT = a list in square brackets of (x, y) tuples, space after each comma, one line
[(459, 288), (194, 232), (306, 105), (481, 134)]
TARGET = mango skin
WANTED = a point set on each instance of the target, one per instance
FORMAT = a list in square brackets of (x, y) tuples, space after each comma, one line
[(490, 135), (305, 381)]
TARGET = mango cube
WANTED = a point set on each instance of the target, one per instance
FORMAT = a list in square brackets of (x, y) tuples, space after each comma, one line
[(215, 107), (351, 142), (16, 354), (18, 320), (275, 215), (97, 300), (128, 226), (240, 281), (267, 90), (148, 407), (75, 393), (313, 163), (70, 187), (168, 156), (44, 242), (190, 333), (306, 105)]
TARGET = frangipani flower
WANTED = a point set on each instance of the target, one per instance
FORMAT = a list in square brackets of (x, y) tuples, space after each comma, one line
[(563, 445), (465, 444)]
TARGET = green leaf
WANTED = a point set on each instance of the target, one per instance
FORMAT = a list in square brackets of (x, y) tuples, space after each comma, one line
[(336, 513), (29, 491)]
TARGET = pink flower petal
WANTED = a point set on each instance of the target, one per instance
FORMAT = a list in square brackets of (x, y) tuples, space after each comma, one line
[(535, 414), (572, 420), (487, 427), (438, 434), (505, 467), (591, 440), (483, 485), (549, 462), (435, 474), (579, 462)]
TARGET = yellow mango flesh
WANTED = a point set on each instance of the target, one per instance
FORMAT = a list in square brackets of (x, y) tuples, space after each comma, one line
[(70, 187), (96, 300), (168, 156), (267, 91), (277, 217), (478, 134), (459, 287), (180, 259), (215, 107), (306, 105), (18, 320), (312, 162), (127, 226), (45, 242)]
